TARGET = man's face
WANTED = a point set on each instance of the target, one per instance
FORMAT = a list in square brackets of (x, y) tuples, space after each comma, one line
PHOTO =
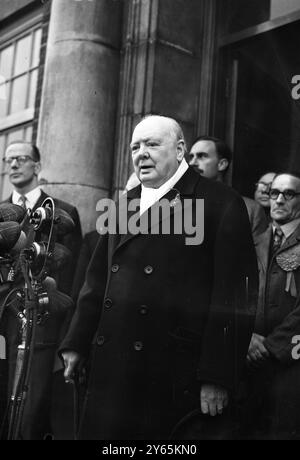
[(156, 153), (262, 189), (282, 210), (21, 175), (204, 159)]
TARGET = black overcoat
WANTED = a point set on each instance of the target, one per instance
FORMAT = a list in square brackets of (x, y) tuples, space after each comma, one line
[(160, 317)]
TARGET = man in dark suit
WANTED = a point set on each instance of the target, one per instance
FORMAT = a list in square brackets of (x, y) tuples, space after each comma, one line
[(211, 157), (168, 323), (23, 164), (272, 408)]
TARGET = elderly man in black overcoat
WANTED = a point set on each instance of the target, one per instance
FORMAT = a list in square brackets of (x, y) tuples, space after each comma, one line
[(167, 323)]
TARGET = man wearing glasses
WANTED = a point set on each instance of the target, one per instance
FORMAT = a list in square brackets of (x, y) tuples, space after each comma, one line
[(274, 372), (262, 192), (23, 164), (22, 160)]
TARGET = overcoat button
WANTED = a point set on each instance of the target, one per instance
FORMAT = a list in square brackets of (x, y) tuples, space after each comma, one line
[(108, 303), (148, 270), (143, 310), (138, 346), (115, 268), (100, 340)]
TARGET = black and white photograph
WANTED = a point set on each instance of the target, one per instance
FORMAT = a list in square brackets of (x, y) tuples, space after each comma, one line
[(149, 222)]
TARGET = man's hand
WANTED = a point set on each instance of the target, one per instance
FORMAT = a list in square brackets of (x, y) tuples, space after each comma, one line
[(214, 399), (72, 360), (257, 352)]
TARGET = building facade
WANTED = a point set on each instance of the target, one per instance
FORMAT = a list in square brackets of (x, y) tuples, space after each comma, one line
[(77, 75)]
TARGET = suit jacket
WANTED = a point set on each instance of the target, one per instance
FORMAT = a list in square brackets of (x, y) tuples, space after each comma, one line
[(257, 217), (278, 313), (37, 408), (160, 317)]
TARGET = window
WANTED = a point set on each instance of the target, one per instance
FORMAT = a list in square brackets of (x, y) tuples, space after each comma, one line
[(19, 65)]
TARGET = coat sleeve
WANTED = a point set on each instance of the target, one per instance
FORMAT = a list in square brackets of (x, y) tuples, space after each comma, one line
[(234, 298), (87, 314)]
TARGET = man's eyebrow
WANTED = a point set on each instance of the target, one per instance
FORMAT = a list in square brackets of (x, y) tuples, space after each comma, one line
[(147, 139)]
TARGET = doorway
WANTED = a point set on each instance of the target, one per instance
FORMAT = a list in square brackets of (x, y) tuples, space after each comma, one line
[(266, 127)]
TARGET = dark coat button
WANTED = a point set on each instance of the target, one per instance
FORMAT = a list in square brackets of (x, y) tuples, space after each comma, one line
[(148, 270), (138, 346), (100, 340), (143, 310), (108, 303), (115, 268)]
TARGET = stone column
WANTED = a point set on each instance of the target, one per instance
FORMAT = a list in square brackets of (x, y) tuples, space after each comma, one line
[(79, 102), (161, 69)]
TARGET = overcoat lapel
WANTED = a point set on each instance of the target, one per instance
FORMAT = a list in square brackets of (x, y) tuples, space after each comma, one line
[(291, 241), (184, 188)]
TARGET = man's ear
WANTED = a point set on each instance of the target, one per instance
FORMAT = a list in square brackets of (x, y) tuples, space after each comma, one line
[(181, 149), (37, 168), (223, 165)]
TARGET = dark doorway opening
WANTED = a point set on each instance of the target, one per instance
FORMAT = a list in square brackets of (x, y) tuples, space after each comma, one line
[(267, 118)]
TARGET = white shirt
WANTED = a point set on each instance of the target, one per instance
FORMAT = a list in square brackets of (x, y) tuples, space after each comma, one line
[(149, 196), (31, 198)]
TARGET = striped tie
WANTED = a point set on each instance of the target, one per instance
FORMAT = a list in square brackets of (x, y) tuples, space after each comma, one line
[(22, 201), (277, 239)]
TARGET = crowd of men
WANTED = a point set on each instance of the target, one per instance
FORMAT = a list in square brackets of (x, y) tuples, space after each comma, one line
[(178, 341)]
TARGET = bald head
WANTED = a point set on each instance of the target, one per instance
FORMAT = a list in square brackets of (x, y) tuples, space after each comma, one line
[(157, 149)]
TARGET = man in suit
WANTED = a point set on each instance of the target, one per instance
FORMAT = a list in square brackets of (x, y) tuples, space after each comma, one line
[(23, 165), (167, 324), (211, 157), (272, 409), (23, 162)]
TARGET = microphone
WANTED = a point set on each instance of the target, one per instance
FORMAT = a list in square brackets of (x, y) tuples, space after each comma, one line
[(9, 235), (10, 212), (43, 215)]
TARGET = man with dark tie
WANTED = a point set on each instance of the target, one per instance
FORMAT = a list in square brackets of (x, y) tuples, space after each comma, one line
[(23, 163), (272, 409)]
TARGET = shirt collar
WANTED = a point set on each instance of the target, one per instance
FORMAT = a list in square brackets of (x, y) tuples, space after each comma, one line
[(31, 197), (289, 228), (149, 196)]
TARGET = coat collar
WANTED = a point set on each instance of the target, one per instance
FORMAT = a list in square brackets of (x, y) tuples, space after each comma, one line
[(263, 242), (184, 188)]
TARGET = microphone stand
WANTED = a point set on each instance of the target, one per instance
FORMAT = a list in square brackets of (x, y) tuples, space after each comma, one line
[(34, 303)]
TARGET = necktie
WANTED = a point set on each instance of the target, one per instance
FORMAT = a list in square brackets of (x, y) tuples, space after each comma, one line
[(277, 239), (22, 201)]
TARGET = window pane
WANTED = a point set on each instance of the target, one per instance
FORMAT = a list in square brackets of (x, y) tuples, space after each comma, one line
[(4, 89), (36, 48), (23, 55), (28, 133), (6, 59), (2, 147), (32, 88), (19, 92)]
